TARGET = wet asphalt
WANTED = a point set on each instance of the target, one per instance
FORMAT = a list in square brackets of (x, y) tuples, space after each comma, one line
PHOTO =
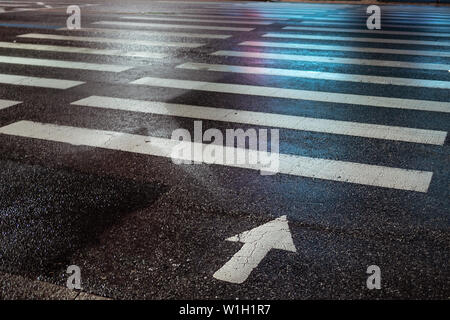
[(141, 227)]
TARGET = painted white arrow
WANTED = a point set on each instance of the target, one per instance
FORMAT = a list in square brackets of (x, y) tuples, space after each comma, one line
[(257, 243)]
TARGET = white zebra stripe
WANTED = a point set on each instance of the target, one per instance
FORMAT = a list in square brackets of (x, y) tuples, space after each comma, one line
[(169, 26), (349, 77), (8, 103), (63, 64), (328, 59), (344, 48), (432, 28), (342, 171), (81, 50), (196, 20), (223, 16), (111, 40), (321, 96), (356, 39), (154, 33), (38, 82), (348, 128), (400, 33)]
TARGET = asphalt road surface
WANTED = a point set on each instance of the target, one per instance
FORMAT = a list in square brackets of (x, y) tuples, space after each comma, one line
[(362, 178)]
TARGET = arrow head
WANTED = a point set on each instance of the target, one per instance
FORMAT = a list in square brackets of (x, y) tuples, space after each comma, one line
[(274, 234)]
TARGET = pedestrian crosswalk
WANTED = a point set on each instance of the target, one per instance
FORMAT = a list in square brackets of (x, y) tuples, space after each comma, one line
[(356, 39), (328, 59), (318, 75), (226, 21), (293, 69), (82, 50), (63, 64), (336, 24), (396, 178), (268, 119), (155, 33), (295, 45), (169, 26), (38, 82), (366, 31), (111, 40), (7, 103), (369, 101)]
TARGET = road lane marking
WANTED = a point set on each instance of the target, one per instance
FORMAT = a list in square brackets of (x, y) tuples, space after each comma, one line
[(355, 39), (108, 52), (349, 128), (170, 26), (338, 60), (8, 103), (289, 45), (317, 75), (258, 15), (275, 92), (258, 242), (196, 20), (222, 16), (38, 82), (154, 33), (63, 64), (342, 171), (431, 28), (397, 15), (386, 19), (111, 40), (404, 33)]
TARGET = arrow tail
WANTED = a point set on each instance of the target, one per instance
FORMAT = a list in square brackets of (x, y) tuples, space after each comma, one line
[(239, 267)]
